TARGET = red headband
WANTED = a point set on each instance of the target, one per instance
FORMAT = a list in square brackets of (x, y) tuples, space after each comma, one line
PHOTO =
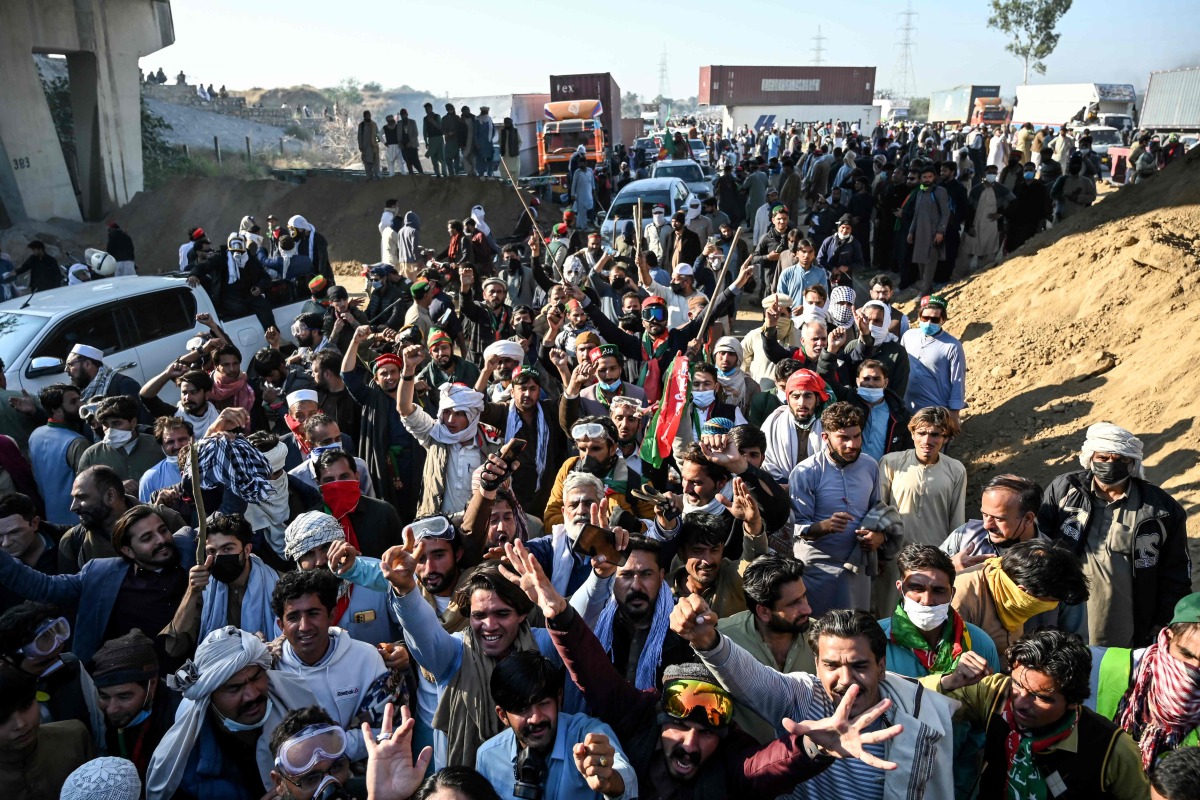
[(805, 380), (388, 358)]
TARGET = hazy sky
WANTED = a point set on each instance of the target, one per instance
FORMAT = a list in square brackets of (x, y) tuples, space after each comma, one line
[(468, 48)]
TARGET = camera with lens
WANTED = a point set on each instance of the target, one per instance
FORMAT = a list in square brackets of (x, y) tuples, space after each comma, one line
[(529, 772)]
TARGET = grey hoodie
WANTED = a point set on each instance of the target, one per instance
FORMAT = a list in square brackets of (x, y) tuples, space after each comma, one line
[(408, 244)]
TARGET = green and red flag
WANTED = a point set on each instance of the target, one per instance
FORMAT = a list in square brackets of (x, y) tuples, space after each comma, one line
[(676, 394)]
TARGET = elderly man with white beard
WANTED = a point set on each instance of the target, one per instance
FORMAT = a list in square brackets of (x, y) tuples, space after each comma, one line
[(232, 701)]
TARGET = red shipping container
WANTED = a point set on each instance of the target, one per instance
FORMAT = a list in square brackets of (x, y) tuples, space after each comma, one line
[(592, 86)]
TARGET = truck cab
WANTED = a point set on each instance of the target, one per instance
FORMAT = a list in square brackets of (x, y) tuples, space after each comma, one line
[(568, 124), (989, 111)]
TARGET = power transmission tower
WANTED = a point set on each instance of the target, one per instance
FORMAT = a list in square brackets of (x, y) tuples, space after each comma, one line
[(818, 48), (904, 80), (664, 83)]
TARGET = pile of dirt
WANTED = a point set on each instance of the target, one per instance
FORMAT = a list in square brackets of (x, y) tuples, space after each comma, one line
[(1091, 321), (345, 212)]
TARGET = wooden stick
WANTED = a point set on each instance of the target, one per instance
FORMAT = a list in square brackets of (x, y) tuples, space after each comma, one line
[(524, 205), (712, 303), (198, 499), (638, 232)]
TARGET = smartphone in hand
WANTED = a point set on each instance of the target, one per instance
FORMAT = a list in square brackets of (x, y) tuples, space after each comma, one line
[(596, 541)]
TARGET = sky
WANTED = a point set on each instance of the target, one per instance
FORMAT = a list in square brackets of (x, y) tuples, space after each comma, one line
[(467, 48)]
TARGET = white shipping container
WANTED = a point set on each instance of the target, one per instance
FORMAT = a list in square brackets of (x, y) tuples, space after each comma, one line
[(765, 116)]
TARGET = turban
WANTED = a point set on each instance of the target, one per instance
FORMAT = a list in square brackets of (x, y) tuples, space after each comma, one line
[(108, 778), (1104, 437), (504, 349), (457, 397), (310, 530), (729, 344), (805, 380)]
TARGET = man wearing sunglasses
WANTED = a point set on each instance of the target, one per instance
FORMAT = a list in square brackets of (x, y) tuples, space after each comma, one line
[(681, 739)]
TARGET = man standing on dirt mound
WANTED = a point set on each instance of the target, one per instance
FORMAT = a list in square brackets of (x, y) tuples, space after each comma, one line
[(937, 366), (368, 145), (1130, 535)]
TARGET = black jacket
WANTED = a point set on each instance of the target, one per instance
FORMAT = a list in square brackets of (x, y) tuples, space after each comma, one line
[(898, 436), (1156, 544), (689, 251), (120, 246)]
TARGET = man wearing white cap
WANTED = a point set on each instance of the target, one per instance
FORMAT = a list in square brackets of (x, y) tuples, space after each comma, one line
[(680, 254), (302, 404), (1130, 534), (657, 230), (232, 701), (455, 443), (89, 374)]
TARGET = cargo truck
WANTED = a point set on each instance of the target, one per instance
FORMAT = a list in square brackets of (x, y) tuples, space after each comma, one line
[(1172, 103), (957, 105), (1075, 104)]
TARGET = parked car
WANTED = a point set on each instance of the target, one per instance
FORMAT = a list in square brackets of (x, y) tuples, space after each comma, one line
[(670, 192), (141, 323), (687, 171), (699, 151)]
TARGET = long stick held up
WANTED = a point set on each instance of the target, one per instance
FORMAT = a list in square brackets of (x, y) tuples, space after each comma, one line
[(737, 237)]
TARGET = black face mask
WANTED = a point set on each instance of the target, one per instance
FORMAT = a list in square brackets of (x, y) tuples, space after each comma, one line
[(524, 329), (226, 568), (592, 466), (1111, 473)]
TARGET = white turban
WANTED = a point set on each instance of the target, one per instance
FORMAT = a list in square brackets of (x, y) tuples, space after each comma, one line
[(223, 653), (729, 344), (310, 530), (1104, 437), (504, 349), (457, 397)]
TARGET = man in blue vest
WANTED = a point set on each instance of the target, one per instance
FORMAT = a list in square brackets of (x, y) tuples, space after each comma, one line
[(55, 450)]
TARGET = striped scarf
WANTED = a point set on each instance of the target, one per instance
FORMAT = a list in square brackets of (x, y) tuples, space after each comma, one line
[(647, 668), (1164, 704)]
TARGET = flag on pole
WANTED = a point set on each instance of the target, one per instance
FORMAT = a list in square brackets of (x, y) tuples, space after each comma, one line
[(676, 393)]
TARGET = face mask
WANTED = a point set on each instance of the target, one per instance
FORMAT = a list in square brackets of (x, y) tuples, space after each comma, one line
[(704, 399), (728, 373), (341, 496), (376, 284), (592, 466), (237, 727), (1029, 176), (240, 259), (227, 567), (871, 395), (926, 617), (524, 329), (609, 387), (878, 333), (142, 716), (990, 178), (1110, 472), (116, 438), (930, 328)]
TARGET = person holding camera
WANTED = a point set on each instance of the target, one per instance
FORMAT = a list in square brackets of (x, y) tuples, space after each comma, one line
[(530, 760)]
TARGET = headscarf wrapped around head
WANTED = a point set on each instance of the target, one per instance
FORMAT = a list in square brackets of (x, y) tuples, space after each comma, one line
[(309, 531), (886, 335), (457, 397), (1105, 437), (733, 381), (843, 317), (504, 349), (805, 380)]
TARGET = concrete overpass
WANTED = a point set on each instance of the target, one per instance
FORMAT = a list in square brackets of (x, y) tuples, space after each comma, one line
[(102, 41)]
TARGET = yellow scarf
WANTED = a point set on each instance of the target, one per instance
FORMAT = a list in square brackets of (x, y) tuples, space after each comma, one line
[(1013, 604)]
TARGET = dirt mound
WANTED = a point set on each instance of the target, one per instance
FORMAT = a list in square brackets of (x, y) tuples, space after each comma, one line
[(1090, 322), (347, 213)]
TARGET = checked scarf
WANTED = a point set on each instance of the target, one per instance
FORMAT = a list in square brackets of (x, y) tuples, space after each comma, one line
[(955, 640), (1025, 781), (1163, 706)]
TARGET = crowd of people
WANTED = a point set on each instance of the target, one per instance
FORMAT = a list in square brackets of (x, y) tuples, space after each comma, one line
[(531, 520)]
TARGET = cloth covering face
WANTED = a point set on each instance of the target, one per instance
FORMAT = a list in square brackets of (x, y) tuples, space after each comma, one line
[(458, 397)]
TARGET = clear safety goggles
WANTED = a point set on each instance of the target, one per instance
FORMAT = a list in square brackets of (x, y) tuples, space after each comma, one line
[(589, 430), (437, 527), (311, 745), (50, 634)]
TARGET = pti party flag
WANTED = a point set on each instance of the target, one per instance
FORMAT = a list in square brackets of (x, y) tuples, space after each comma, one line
[(675, 396)]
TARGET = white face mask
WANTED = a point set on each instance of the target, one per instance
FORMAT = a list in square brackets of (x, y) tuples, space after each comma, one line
[(990, 178), (878, 332), (115, 438), (926, 617), (704, 399)]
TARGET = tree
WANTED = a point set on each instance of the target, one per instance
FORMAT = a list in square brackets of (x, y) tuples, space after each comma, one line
[(1030, 24), (631, 105)]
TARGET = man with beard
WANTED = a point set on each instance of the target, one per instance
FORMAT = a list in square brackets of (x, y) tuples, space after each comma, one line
[(443, 367), (174, 434), (529, 418), (391, 452), (194, 405), (232, 702), (371, 525), (140, 588), (682, 248), (93, 378), (35, 758), (793, 430), (308, 331), (850, 650), (814, 352), (124, 448), (137, 710), (232, 587), (55, 450), (831, 493), (333, 399), (772, 627), (99, 499), (527, 688), (600, 457), (491, 322), (348, 677), (681, 738)]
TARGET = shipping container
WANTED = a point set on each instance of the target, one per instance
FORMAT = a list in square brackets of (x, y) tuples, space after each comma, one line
[(786, 86), (1172, 101), (1057, 104), (631, 129), (760, 117), (526, 113), (956, 105), (592, 86)]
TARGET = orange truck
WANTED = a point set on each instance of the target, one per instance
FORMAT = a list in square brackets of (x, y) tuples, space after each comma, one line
[(989, 111), (568, 124)]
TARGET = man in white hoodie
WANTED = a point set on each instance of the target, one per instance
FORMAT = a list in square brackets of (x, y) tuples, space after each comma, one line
[(348, 677)]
